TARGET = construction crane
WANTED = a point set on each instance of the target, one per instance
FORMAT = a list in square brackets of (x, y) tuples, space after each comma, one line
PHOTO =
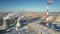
[(47, 10)]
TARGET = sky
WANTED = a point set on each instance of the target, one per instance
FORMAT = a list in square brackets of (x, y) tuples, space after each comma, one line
[(28, 5)]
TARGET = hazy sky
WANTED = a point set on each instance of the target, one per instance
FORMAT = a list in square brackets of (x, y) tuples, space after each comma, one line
[(28, 5)]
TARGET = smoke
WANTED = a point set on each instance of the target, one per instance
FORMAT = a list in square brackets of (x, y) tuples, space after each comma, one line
[(8, 16)]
